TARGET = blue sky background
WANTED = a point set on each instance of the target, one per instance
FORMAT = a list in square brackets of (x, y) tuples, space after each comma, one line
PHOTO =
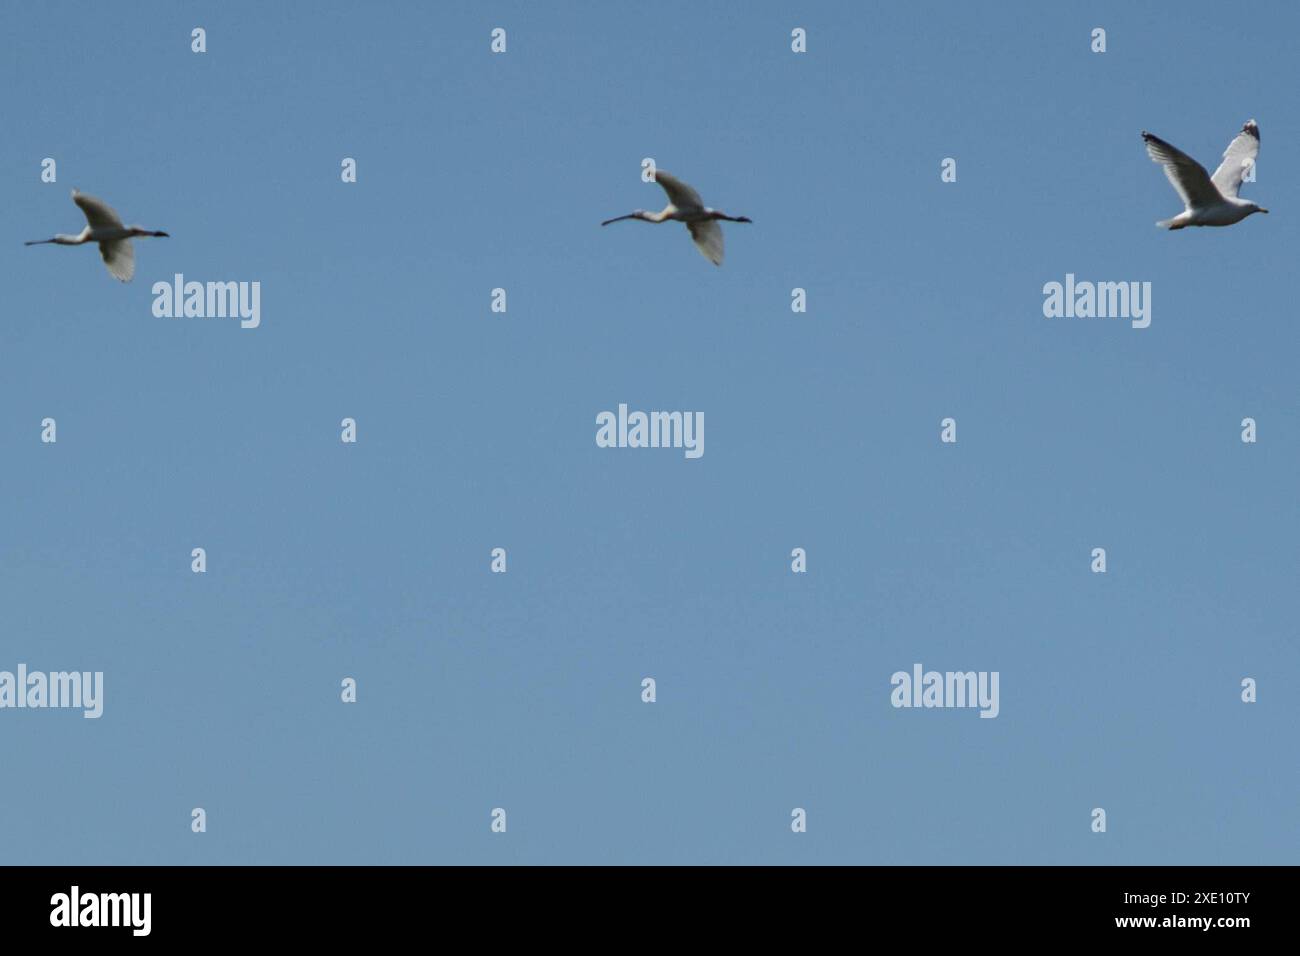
[(477, 431)]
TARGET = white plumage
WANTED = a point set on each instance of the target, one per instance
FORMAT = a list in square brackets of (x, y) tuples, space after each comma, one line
[(685, 205), (103, 226), (1208, 200)]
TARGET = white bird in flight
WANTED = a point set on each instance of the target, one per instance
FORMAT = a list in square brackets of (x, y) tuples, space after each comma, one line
[(1210, 200), (685, 205), (104, 227)]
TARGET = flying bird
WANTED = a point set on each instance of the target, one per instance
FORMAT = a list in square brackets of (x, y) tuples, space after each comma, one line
[(685, 205), (1210, 200), (104, 227)]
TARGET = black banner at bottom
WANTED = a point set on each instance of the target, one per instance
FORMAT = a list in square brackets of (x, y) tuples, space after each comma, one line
[(379, 904)]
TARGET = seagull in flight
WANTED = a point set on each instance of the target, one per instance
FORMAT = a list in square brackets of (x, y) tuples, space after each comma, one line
[(1210, 200), (685, 205), (104, 227)]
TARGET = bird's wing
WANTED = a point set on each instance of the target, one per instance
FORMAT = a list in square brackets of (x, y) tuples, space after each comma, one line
[(679, 194), (98, 213), (119, 257), (1186, 175), (708, 239), (1239, 157)]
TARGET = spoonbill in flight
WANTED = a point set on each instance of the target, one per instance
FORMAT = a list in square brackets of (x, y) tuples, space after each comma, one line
[(685, 205), (1210, 200), (104, 227)]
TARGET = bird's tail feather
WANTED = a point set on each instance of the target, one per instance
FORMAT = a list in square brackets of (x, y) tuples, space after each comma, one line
[(1168, 224)]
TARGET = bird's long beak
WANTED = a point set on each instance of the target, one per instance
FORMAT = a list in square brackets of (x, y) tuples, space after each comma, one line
[(1262, 209), (37, 242)]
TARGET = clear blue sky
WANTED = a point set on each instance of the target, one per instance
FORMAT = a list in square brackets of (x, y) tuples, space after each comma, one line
[(477, 431)]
